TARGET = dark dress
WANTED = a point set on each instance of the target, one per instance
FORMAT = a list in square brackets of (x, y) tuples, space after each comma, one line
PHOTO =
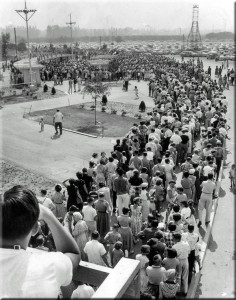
[(72, 196), (197, 186), (103, 221)]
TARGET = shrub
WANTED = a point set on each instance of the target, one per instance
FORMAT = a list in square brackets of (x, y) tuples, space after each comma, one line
[(113, 111), (142, 106), (53, 91), (123, 113), (104, 100), (81, 106), (45, 88), (103, 109)]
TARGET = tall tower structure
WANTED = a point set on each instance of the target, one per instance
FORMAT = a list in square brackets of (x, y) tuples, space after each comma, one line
[(194, 40)]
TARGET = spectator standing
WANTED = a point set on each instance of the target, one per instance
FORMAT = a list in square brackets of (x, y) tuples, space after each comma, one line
[(57, 121)]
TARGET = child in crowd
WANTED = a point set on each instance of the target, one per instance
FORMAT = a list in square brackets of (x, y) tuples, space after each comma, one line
[(41, 123), (198, 247), (114, 217), (144, 261), (117, 253), (112, 237), (232, 176)]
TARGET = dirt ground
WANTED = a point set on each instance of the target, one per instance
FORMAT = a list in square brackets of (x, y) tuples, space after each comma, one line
[(11, 175)]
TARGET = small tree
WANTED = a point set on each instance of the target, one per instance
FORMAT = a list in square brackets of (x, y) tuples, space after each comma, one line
[(5, 40), (142, 106), (21, 46), (96, 90)]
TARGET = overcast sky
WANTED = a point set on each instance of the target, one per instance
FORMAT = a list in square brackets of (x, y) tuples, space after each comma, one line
[(158, 14)]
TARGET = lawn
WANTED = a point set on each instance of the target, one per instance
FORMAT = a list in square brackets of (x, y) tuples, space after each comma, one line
[(80, 119)]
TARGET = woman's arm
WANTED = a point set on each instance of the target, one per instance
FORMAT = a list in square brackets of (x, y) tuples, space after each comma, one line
[(63, 240), (64, 183)]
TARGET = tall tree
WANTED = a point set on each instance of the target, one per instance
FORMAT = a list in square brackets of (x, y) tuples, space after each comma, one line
[(5, 40)]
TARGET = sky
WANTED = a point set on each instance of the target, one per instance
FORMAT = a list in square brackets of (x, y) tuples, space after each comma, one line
[(158, 14)]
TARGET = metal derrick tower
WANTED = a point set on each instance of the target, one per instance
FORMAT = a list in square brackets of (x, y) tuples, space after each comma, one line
[(194, 40)]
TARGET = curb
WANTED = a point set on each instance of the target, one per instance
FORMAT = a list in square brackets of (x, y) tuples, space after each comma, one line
[(78, 132), (195, 279)]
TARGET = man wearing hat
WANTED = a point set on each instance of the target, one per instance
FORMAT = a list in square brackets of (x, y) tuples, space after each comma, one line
[(208, 189), (219, 155)]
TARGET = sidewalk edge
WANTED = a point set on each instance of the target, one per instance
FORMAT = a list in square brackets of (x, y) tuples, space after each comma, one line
[(195, 279)]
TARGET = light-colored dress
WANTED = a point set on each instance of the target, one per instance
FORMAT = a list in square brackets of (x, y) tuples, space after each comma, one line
[(143, 276), (80, 233), (145, 205), (126, 233), (136, 219), (169, 172), (57, 199)]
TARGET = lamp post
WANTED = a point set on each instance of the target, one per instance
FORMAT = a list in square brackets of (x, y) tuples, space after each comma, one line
[(71, 23), (28, 13)]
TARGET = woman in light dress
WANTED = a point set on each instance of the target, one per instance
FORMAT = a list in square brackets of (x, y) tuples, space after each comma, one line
[(80, 233), (169, 171), (136, 217), (144, 261), (58, 198)]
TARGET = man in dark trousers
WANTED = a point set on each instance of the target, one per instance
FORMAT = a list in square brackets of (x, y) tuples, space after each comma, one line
[(57, 121)]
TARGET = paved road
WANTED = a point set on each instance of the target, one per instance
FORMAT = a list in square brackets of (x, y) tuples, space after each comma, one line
[(218, 273)]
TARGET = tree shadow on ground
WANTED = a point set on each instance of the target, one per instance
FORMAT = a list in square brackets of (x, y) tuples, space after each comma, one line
[(222, 192), (212, 245), (199, 289)]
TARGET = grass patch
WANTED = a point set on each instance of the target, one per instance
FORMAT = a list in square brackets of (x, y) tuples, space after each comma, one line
[(80, 119)]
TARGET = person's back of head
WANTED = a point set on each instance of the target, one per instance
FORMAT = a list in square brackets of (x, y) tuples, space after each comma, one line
[(158, 235), (171, 226), (176, 208), (176, 217), (40, 240), (210, 176), (118, 245), (171, 253), (119, 171), (190, 228), (157, 260), (20, 212), (79, 175), (44, 192), (154, 223), (95, 235), (177, 237)]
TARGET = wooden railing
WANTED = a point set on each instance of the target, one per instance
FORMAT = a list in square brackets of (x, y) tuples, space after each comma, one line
[(121, 282)]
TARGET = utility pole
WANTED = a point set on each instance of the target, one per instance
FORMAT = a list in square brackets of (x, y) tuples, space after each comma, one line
[(15, 40), (100, 41), (71, 23), (27, 17)]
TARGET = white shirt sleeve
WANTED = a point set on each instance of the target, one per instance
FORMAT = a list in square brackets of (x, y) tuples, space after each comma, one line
[(63, 268), (102, 250)]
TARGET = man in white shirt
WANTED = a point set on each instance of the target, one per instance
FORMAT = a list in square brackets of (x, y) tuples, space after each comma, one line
[(32, 274), (183, 250), (57, 121), (208, 189), (176, 139), (95, 251), (90, 216)]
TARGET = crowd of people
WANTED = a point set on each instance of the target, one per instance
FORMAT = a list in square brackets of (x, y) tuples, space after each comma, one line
[(132, 202)]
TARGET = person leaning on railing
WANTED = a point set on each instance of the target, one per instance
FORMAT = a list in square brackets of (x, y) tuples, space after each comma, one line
[(30, 274)]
